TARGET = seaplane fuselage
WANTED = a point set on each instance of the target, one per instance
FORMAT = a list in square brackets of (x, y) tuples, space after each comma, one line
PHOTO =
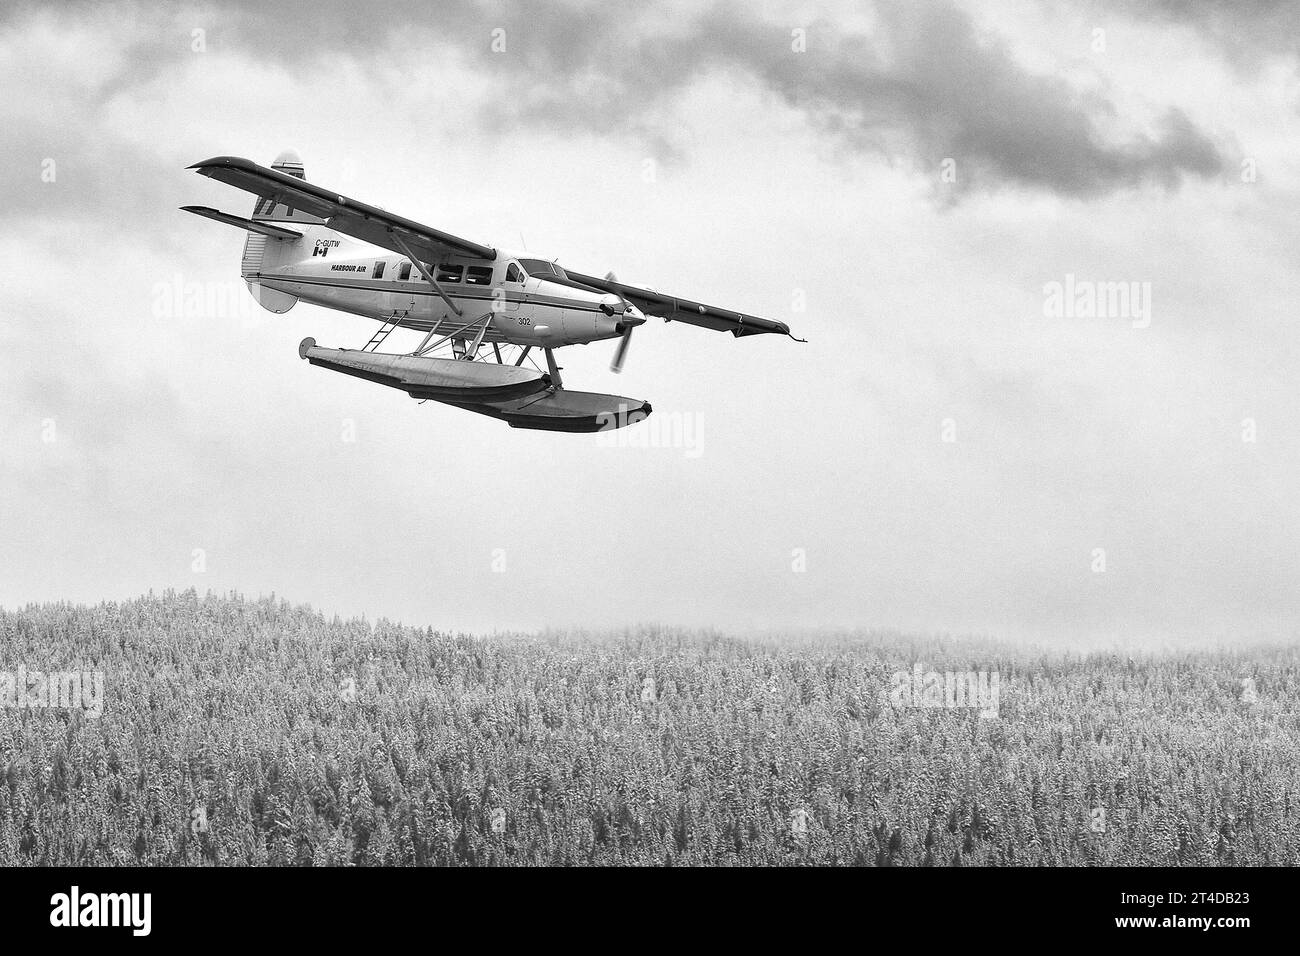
[(531, 300)]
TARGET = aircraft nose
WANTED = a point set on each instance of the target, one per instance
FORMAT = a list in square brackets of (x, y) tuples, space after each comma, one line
[(629, 319)]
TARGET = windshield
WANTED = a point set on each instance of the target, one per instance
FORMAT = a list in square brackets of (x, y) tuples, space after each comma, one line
[(541, 269)]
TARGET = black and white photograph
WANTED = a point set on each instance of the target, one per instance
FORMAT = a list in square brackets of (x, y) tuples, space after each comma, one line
[(650, 442)]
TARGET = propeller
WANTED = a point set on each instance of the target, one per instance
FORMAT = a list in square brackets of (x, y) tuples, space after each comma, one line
[(621, 354), (627, 323)]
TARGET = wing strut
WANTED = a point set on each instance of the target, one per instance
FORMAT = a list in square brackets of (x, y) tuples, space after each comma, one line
[(472, 352), (419, 349), (485, 319), (424, 271)]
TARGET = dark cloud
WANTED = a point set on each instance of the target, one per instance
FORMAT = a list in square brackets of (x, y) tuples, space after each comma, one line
[(1246, 30), (924, 83), (935, 82)]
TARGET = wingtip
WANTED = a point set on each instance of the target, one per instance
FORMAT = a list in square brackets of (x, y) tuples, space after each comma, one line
[(222, 161)]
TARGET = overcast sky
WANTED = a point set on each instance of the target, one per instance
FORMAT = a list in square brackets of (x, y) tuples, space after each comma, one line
[(914, 187)]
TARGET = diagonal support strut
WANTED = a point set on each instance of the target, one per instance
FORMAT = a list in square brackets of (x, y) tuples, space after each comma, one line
[(424, 271)]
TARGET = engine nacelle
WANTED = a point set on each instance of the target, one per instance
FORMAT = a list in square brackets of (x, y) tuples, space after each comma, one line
[(551, 327)]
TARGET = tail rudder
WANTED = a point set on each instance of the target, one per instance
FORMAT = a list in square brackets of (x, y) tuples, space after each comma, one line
[(263, 255)]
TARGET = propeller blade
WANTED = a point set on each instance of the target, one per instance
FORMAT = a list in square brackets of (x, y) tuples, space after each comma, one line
[(613, 278), (621, 355)]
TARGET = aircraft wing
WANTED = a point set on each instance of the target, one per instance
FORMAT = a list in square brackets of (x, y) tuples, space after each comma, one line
[(348, 216), (684, 310)]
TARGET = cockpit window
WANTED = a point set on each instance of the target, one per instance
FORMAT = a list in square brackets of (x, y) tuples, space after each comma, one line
[(541, 269), (514, 273)]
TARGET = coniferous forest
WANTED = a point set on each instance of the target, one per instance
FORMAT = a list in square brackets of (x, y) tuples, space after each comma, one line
[(253, 732)]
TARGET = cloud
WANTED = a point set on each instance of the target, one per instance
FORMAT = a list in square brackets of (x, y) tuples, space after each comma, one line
[(203, 430), (951, 93), (922, 81), (1243, 29)]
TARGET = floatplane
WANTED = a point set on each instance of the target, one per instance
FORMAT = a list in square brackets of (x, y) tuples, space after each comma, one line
[(483, 310)]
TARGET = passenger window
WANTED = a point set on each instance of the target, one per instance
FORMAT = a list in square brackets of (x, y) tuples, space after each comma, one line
[(404, 272), (379, 270), (514, 273), (479, 275), (447, 273)]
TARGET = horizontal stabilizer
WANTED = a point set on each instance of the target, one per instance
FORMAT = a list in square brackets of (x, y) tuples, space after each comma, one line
[(261, 228)]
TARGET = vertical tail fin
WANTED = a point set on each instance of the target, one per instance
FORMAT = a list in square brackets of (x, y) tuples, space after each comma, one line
[(262, 254), (268, 210)]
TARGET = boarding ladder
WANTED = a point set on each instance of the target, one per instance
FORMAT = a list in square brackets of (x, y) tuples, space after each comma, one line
[(385, 330)]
